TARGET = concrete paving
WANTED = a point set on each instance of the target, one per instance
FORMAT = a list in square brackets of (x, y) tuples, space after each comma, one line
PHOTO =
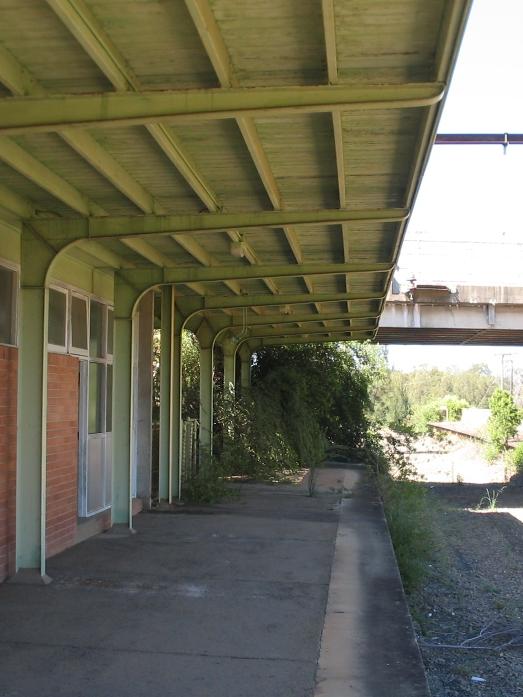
[(218, 600), (221, 600), (368, 646)]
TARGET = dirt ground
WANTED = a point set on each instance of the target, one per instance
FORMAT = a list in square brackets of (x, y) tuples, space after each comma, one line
[(476, 577)]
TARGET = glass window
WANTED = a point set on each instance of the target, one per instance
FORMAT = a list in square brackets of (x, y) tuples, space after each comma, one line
[(57, 317), (96, 338), (110, 331), (78, 323), (109, 402), (96, 397), (7, 305)]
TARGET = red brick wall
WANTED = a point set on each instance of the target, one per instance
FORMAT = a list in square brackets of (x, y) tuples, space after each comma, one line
[(8, 394), (62, 452)]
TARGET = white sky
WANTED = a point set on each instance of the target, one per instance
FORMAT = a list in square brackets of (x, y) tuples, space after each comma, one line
[(467, 224)]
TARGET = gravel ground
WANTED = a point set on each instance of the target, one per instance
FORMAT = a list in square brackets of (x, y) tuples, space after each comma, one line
[(475, 580)]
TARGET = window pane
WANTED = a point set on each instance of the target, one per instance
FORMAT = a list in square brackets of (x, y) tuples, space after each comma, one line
[(110, 330), (109, 403), (57, 317), (96, 397), (95, 474), (96, 335), (78, 323), (7, 289)]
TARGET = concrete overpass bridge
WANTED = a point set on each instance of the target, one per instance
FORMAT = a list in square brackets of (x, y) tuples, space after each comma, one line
[(468, 315)]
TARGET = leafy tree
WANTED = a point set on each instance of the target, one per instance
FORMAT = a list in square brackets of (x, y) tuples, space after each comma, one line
[(454, 406), (504, 419), (390, 398), (336, 383), (426, 413)]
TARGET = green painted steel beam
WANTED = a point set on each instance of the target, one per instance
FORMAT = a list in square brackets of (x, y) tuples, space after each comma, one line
[(301, 317), (53, 113), (148, 277), (14, 203), (190, 305), (66, 230), (15, 77), (258, 343), (28, 166), (104, 255), (306, 331)]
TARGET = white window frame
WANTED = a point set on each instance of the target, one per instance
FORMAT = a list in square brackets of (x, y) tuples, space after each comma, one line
[(58, 348), (83, 397), (109, 356), (104, 436), (11, 266), (75, 350)]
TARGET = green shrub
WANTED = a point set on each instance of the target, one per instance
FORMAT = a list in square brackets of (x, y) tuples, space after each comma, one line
[(491, 453), (504, 420), (516, 458), (209, 484), (454, 406)]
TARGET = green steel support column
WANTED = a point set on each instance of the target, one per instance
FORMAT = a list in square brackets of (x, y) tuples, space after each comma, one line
[(206, 339), (32, 412), (229, 366), (165, 394), (176, 402), (125, 297), (245, 369)]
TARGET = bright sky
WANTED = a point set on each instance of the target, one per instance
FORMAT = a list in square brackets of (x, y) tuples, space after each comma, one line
[(467, 223)]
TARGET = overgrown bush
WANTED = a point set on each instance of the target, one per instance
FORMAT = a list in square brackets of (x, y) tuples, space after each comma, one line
[(302, 398), (448, 407), (454, 406), (407, 513), (270, 432), (515, 458), (332, 382), (504, 419), (404, 501)]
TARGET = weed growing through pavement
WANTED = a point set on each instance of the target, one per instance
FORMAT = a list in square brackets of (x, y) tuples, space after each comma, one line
[(490, 500)]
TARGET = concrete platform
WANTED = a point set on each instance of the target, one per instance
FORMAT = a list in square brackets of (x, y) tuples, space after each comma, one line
[(220, 600), (368, 646)]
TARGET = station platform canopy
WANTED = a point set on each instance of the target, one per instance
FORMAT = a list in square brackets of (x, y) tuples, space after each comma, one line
[(258, 154)]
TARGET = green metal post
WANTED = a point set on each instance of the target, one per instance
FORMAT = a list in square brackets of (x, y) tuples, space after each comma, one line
[(32, 411), (122, 397), (176, 402), (165, 394), (32, 408)]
